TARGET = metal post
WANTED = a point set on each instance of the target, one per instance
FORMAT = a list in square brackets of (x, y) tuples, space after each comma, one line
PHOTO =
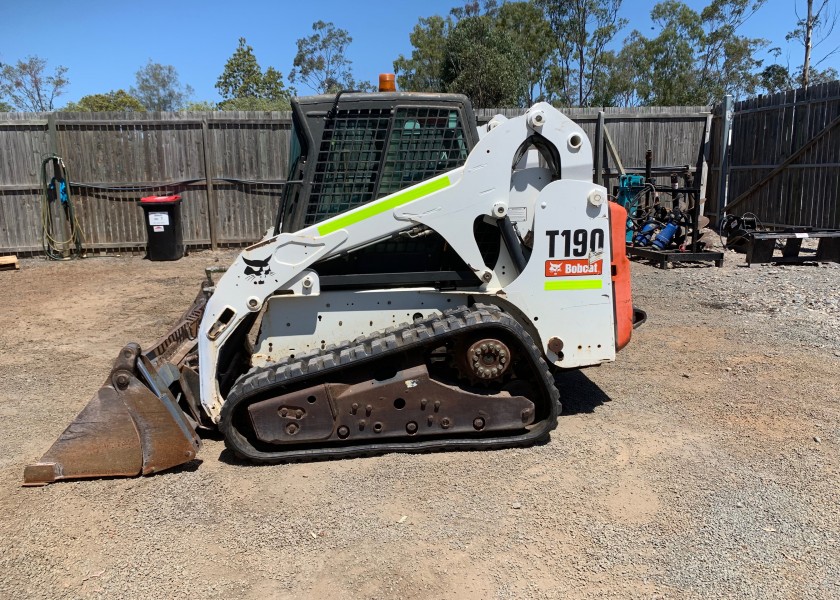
[(723, 183), (702, 171)]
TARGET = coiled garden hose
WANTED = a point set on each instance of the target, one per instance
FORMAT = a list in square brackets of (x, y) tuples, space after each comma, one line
[(58, 189)]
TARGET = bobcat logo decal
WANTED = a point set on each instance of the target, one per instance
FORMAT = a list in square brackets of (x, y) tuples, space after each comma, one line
[(257, 270)]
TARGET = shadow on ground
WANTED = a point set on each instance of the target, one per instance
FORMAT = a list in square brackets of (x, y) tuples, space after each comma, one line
[(578, 394)]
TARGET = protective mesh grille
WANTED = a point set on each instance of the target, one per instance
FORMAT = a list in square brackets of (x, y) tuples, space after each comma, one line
[(348, 162), (423, 142)]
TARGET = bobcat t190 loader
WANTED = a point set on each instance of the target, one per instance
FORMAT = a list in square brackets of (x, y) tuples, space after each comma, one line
[(422, 283)]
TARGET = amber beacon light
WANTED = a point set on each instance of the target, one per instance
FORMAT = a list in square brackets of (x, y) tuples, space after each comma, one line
[(386, 82)]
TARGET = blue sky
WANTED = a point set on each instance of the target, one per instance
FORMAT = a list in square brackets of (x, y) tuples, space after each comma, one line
[(103, 43)]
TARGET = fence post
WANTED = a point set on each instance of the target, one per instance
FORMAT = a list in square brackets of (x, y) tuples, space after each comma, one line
[(52, 133), (598, 148), (723, 182), (212, 208)]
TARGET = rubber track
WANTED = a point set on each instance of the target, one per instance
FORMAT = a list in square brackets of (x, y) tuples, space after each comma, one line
[(292, 371)]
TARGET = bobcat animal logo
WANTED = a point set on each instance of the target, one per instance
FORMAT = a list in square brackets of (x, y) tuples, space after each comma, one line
[(257, 270)]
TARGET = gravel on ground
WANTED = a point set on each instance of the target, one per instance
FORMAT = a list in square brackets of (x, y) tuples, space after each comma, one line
[(703, 463)]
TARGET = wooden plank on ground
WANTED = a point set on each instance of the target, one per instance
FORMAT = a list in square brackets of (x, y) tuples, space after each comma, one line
[(9, 263)]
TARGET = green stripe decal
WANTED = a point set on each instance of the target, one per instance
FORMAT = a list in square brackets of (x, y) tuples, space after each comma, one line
[(375, 208), (573, 284)]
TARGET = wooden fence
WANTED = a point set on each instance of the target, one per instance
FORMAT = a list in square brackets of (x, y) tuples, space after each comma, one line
[(783, 161), (230, 167)]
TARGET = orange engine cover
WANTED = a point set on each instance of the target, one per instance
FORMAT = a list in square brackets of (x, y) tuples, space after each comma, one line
[(622, 296)]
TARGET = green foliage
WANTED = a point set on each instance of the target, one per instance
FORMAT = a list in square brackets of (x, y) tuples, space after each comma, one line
[(421, 72), (566, 52), (244, 84), (582, 30), (114, 101), (159, 88), (5, 107), (819, 76), (200, 106), (251, 103), (28, 88), (475, 8), (531, 33), (775, 78), (483, 62), (613, 81), (697, 58), (321, 63)]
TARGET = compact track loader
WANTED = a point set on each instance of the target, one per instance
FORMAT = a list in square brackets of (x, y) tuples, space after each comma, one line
[(422, 284)]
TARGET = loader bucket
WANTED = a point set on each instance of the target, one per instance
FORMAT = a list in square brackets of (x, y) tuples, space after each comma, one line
[(125, 430), (133, 425)]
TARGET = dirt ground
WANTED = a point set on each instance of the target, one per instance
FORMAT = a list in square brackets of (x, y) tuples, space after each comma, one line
[(703, 463)]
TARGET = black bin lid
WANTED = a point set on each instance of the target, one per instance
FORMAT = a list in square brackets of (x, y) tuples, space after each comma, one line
[(172, 199)]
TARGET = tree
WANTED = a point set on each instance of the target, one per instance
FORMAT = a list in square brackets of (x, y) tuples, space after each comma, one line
[(531, 33), (421, 72), (817, 25), (727, 60), (475, 8), (483, 62), (114, 101), (244, 86), (615, 81), (158, 87), (696, 58), (251, 103), (775, 78), (5, 107), (582, 30), (321, 63), (28, 88), (200, 106), (819, 76)]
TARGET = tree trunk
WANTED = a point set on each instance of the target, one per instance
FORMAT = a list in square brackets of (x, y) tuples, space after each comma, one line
[(580, 75), (809, 30)]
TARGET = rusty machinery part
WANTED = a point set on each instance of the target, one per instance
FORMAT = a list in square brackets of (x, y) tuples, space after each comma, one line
[(132, 426), (181, 338), (487, 359), (382, 394)]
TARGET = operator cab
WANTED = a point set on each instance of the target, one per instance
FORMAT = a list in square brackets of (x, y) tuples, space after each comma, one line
[(352, 148)]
